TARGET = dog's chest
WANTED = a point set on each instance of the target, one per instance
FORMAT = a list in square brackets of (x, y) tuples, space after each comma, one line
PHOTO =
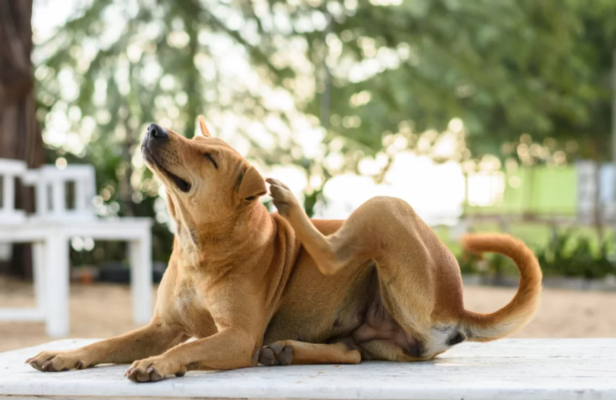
[(190, 300), (188, 306)]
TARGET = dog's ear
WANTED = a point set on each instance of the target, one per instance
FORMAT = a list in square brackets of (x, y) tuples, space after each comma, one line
[(204, 131), (252, 186)]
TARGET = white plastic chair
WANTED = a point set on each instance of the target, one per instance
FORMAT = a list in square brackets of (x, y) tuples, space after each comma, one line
[(50, 230), (12, 221)]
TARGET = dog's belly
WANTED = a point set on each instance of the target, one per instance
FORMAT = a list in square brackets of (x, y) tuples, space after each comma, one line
[(315, 307), (346, 307)]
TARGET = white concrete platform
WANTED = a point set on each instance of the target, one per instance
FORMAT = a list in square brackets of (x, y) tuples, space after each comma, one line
[(508, 369)]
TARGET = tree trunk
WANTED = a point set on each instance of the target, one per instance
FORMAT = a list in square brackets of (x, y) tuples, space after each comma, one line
[(20, 136)]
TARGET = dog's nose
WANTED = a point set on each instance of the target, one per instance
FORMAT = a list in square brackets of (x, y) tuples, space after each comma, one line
[(157, 132)]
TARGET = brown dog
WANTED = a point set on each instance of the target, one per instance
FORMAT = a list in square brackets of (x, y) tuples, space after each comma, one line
[(379, 285)]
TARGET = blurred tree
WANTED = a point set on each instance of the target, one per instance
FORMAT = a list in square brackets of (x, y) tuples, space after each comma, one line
[(516, 72), (118, 66), (543, 70), (531, 80), (20, 137)]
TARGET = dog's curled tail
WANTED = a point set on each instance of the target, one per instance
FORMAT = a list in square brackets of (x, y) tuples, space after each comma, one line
[(522, 308)]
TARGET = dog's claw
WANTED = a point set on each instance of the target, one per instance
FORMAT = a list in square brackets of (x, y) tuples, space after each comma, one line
[(155, 376), (49, 361), (153, 370), (46, 366)]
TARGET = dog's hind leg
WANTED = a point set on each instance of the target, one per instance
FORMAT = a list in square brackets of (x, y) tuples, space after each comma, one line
[(291, 352), (383, 228), (414, 267), (150, 340), (330, 253)]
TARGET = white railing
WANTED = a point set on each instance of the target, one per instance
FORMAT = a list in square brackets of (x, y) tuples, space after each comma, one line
[(51, 182), (10, 170)]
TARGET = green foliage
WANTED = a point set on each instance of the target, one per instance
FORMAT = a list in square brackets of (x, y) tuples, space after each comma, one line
[(468, 264), (494, 265), (568, 253), (572, 255), (118, 66), (544, 69)]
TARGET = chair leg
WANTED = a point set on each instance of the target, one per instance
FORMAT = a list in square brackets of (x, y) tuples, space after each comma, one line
[(57, 284), (38, 276), (141, 278)]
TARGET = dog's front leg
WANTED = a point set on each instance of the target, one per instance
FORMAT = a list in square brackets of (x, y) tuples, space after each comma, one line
[(150, 340), (240, 323), (230, 348)]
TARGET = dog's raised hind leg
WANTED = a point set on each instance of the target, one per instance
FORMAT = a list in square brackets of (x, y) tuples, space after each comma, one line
[(331, 253), (322, 248)]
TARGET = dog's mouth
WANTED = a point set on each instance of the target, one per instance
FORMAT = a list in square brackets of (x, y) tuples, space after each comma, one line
[(183, 185)]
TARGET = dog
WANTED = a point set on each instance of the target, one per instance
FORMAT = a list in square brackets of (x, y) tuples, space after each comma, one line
[(278, 289)]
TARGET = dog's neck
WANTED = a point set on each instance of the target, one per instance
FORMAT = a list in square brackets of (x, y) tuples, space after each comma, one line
[(208, 244)]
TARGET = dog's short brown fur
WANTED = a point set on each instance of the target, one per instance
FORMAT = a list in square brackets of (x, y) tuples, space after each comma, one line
[(379, 285)]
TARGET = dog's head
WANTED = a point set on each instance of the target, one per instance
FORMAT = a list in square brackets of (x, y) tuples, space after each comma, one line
[(206, 179)]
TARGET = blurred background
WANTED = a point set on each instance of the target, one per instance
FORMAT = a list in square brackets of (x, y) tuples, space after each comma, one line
[(490, 115)]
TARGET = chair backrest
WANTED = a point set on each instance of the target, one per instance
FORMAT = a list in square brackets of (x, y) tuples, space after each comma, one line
[(9, 171), (56, 199)]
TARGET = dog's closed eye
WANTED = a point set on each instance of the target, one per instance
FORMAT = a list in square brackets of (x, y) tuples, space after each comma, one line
[(209, 157)]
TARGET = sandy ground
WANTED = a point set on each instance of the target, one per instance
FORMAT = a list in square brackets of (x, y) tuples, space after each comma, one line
[(101, 310)]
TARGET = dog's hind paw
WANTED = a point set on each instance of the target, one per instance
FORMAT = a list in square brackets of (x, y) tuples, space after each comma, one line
[(283, 198), (276, 354)]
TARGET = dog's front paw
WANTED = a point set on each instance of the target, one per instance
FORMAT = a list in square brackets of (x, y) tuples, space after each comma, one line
[(276, 354), (154, 369), (55, 361), (284, 200)]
